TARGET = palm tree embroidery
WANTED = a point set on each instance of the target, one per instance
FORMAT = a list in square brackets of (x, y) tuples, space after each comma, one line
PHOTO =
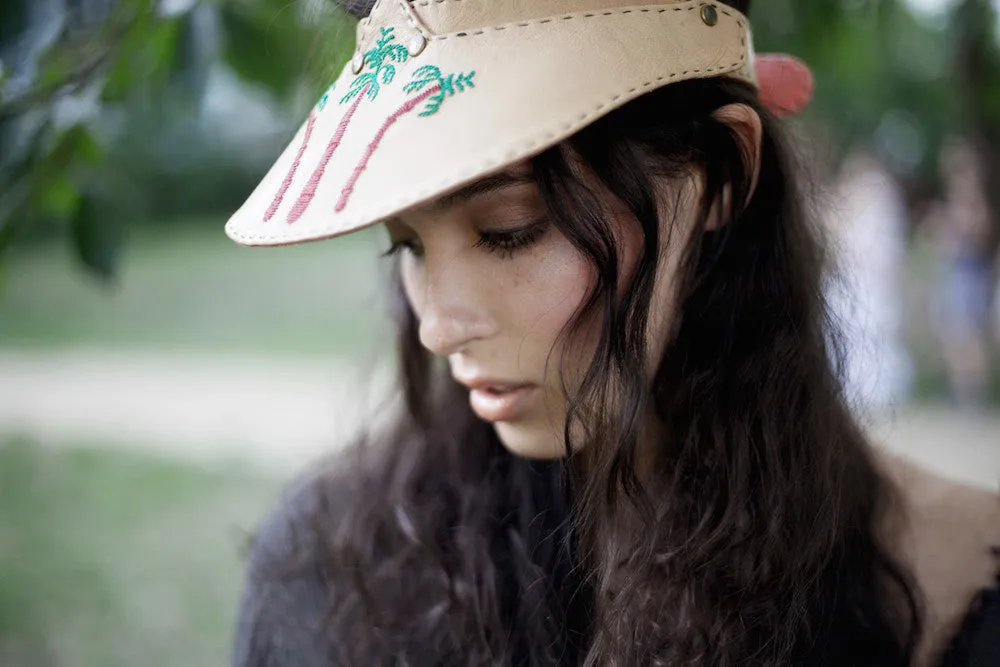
[(382, 71), (379, 60), (436, 88)]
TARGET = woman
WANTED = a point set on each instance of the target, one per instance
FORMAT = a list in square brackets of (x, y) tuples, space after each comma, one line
[(622, 440)]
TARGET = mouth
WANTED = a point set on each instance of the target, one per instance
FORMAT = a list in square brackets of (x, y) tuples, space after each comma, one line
[(499, 401)]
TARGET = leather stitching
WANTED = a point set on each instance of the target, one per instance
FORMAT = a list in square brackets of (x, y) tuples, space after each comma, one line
[(428, 3), (588, 15), (368, 23), (408, 11)]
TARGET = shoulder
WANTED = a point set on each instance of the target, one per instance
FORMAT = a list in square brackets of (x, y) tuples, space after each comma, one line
[(947, 533), (283, 613), (977, 643)]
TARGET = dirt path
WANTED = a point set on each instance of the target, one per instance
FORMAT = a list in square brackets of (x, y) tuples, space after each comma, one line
[(283, 413), (205, 408)]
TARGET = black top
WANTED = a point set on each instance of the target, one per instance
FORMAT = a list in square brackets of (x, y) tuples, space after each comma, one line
[(283, 615)]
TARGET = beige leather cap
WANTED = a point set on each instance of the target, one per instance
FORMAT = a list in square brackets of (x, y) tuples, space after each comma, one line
[(443, 92)]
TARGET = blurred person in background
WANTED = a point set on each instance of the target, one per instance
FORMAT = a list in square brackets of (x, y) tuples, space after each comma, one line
[(996, 304), (866, 220), (960, 228), (621, 438)]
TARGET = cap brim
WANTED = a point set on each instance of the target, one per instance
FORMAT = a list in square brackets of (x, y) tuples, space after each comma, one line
[(407, 129)]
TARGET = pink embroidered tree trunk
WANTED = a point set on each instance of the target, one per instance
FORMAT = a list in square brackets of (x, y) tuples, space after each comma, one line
[(408, 106), (287, 183), (310, 190)]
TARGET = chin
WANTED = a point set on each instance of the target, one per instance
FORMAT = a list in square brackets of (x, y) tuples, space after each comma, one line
[(530, 441)]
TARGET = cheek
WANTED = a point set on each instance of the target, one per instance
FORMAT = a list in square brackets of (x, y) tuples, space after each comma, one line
[(413, 279), (543, 298), (557, 292)]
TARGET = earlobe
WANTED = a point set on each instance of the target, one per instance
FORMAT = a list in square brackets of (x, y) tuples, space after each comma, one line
[(749, 131)]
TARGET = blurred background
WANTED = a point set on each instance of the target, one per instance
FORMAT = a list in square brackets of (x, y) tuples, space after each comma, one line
[(159, 384)]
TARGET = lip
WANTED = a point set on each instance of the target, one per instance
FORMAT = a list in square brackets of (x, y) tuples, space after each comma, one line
[(498, 400)]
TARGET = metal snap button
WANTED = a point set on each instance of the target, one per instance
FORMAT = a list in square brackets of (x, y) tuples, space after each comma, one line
[(709, 14)]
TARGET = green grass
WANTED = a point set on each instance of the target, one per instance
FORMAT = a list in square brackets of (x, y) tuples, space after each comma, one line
[(187, 286), (113, 560)]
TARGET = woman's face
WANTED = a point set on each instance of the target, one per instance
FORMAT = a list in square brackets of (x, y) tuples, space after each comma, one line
[(493, 285)]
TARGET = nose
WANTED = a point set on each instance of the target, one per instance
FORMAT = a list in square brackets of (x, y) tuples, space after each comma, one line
[(453, 313)]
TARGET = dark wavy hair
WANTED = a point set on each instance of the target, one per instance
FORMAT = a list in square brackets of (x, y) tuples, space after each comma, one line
[(753, 537)]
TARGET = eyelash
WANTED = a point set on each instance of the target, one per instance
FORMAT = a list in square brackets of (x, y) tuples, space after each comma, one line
[(504, 244)]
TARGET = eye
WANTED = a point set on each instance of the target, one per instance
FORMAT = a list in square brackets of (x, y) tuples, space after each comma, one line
[(411, 245), (506, 243)]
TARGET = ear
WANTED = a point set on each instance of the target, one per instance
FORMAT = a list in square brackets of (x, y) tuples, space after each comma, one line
[(749, 131)]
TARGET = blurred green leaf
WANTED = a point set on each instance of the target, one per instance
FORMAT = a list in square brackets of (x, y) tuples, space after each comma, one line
[(151, 71), (18, 168), (56, 66), (88, 151), (60, 199), (40, 184), (268, 43), (162, 43), (97, 241), (13, 16), (145, 58), (74, 143), (259, 45)]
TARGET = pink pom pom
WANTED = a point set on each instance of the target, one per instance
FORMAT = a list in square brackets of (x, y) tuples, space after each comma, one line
[(785, 83)]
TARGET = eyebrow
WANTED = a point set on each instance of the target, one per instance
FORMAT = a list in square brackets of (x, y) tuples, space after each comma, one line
[(483, 186)]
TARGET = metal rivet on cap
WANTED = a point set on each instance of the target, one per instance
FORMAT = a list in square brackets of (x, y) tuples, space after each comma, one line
[(416, 45), (357, 63), (709, 14)]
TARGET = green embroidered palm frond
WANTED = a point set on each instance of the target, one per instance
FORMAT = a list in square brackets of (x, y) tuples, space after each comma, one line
[(397, 53), (385, 37), (323, 101), (423, 77), (388, 72), (429, 75), (379, 60), (361, 82), (463, 81)]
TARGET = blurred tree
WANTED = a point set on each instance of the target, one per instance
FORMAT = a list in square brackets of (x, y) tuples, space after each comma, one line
[(86, 86)]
